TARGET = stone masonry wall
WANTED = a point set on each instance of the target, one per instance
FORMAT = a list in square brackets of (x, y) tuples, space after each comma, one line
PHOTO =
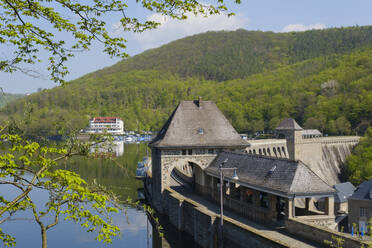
[(320, 234), (325, 155), (203, 225)]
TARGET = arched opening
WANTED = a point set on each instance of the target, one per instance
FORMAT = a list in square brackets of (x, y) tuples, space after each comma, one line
[(268, 152), (279, 152), (254, 151), (259, 151), (187, 176), (264, 151), (250, 151), (284, 151), (275, 152)]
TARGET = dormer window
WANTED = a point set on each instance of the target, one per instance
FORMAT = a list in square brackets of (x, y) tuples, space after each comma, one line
[(200, 131)]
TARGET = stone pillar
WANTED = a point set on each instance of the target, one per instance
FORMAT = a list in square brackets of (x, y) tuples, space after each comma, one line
[(329, 206), (243, 194), (235, 191), (309, 204), (272, 207), (289, 208), (256, 198)]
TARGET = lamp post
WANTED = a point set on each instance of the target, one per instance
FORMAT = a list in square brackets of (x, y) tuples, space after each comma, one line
[(235, 177)]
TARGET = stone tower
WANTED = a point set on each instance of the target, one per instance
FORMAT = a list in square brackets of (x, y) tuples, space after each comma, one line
[(194, 133), (292, 132)]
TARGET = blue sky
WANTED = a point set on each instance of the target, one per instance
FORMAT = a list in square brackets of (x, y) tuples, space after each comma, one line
[(265, 15)]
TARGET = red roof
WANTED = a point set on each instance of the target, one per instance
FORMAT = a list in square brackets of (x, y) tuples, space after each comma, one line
[(105, 119)]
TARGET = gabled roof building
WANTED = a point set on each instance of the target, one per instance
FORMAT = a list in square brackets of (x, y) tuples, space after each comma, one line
[(360, 206), (282, 177), (193, 135), (111, 125), (266, 188)]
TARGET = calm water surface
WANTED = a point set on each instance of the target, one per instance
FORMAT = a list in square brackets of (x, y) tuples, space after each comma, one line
[(137, 230)]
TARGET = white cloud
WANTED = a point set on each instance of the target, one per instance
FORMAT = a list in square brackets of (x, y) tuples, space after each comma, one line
[(172, 29), (301, 27)]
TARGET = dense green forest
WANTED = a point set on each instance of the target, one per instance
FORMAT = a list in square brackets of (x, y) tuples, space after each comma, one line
[(7, 97), (225, 55), (359, 164), (322, 78)]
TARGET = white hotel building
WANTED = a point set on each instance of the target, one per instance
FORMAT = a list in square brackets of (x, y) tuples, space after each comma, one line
[(112, 125)]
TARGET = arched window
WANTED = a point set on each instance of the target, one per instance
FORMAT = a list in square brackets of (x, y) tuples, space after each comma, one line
[(280, 154), (284, 151)]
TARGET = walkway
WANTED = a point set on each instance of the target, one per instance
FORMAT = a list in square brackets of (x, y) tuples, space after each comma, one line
[(275, 232)]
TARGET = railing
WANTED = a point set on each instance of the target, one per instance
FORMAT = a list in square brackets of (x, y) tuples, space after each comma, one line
[(330, 140), (248, 210)]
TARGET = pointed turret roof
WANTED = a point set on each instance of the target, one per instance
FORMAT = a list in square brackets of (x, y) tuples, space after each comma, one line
[(289, 124), (197, 124)]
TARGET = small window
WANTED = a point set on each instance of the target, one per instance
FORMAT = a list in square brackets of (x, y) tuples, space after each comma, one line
[(364, 212), (189, 152), (183, 152), (264, 200), (249, 196)]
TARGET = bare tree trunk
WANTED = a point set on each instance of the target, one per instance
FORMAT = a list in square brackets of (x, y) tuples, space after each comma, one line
[(44, 237)]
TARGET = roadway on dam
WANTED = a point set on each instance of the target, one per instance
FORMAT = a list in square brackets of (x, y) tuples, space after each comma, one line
[(277, 232)]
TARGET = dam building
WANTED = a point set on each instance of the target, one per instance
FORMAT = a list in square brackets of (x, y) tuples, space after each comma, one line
[(191, 138), (279, 179), (324, 155)]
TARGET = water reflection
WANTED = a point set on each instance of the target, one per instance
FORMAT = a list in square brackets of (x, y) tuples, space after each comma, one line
[(119, 176), (115, 147)]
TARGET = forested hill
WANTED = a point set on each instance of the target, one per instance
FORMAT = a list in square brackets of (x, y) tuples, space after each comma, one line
[(322, 78), (7, 97), (228, 55)]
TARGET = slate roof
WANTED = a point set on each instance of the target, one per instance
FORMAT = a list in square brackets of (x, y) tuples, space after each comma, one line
[(363, 191), (288, 124), (344, 191), (197, 124), (277, 176)]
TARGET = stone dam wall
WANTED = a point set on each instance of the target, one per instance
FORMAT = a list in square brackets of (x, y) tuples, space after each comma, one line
[(320, 234), (326, 155), (203, 225)]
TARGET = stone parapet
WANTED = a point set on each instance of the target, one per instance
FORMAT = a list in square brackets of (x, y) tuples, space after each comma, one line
[(320, 234), (203, 225), (330, 140)]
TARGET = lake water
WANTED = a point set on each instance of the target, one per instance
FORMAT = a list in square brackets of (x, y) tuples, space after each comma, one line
[(136, 229)]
